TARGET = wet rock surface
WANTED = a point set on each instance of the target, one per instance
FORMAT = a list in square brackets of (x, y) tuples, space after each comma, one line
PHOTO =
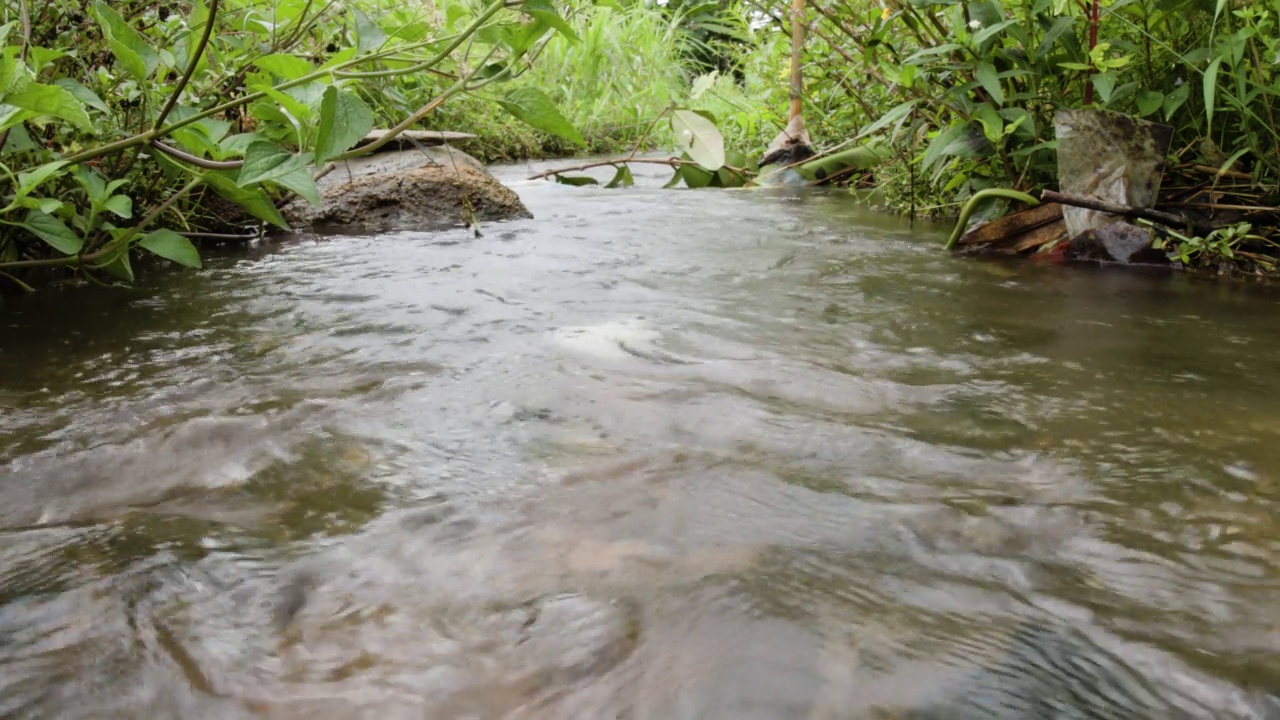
[(422, 188)]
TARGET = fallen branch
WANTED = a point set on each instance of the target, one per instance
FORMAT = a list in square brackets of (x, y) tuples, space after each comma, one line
[(669, 162), (1127, 211)]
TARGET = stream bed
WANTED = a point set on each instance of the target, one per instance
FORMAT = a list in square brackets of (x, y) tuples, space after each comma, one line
[(652, 455)]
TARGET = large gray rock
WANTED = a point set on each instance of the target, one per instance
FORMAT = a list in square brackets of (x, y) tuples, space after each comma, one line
[(426, 187)]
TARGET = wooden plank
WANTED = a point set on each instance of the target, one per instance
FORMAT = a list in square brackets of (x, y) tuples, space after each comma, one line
[(1034, 238), (1011, 226)]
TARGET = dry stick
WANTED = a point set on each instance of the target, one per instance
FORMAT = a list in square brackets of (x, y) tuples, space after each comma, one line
[(669, 162), (191, 65), (1117, 209)]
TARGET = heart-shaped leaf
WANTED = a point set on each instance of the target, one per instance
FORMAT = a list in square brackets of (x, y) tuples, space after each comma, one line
[(171, 246)]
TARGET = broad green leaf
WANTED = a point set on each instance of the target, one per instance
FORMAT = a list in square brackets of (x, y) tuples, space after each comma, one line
[(117, 265), (54, 232), (252, 200), (1149, 101), (703, 84), (344, 120), (236, 145), (267, 161), (576, 180), (297, 109), (369, 36), (44, 205), (50, 100), (120, 205), (171, 246), (41, 57), (300, 183), (94, 186), (1211, 92), (1059, 28), (931, 52), (130, 48), (987, 78), (1104, 83), (82, 93), (992, 123), (284, 66), (959, 139), (699, 138), (546, 12), (695, 177), (990, 31), (1175, 99), (536, 109), (888, 118), (676, 177), (622, 178), (524, 37), (28, 181)]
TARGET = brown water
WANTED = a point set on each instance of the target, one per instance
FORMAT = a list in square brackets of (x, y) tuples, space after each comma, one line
[(655, 455)]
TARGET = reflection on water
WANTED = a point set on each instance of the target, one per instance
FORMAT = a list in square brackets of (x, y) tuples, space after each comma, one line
[(653, 455)]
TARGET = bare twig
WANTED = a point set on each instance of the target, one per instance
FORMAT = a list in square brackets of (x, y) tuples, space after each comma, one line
[(669, 162), (191, 64), (1125, 210)]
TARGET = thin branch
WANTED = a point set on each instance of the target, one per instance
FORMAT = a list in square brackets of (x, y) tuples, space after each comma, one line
[(191, 65), (669, 162), (1125, 210), (197, 161)]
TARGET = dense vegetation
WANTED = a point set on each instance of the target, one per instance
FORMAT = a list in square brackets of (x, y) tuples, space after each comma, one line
[(128, 127)]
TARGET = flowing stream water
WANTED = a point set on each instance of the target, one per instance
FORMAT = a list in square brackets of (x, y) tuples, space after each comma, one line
[(653, 455)]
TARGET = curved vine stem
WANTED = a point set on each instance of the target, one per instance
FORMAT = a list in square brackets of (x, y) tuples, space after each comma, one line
[(191, 65)]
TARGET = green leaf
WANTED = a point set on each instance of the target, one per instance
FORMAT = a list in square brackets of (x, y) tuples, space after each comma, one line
[(82, 93), (369, 36), (344, 120), (267, 161), (546, 12), (1104, 83), (94, 186), (236, 145), (888, 118), (696, 177), (703, 84), (1149, 101), (118, 265), (54, 232), (120, 205), (622, 178), (990, 31), (1059, 28), (992, 123), (536, 109), (171, 246), (1175, 99), (676, 177), (252, 200), (576, 180), (130, 48), (284, 66), (302, 184), (1211, 92), (41, 57), (931, 52), (699, 138), (28, 181), (989, 82), (50, 100), (44, 205)]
